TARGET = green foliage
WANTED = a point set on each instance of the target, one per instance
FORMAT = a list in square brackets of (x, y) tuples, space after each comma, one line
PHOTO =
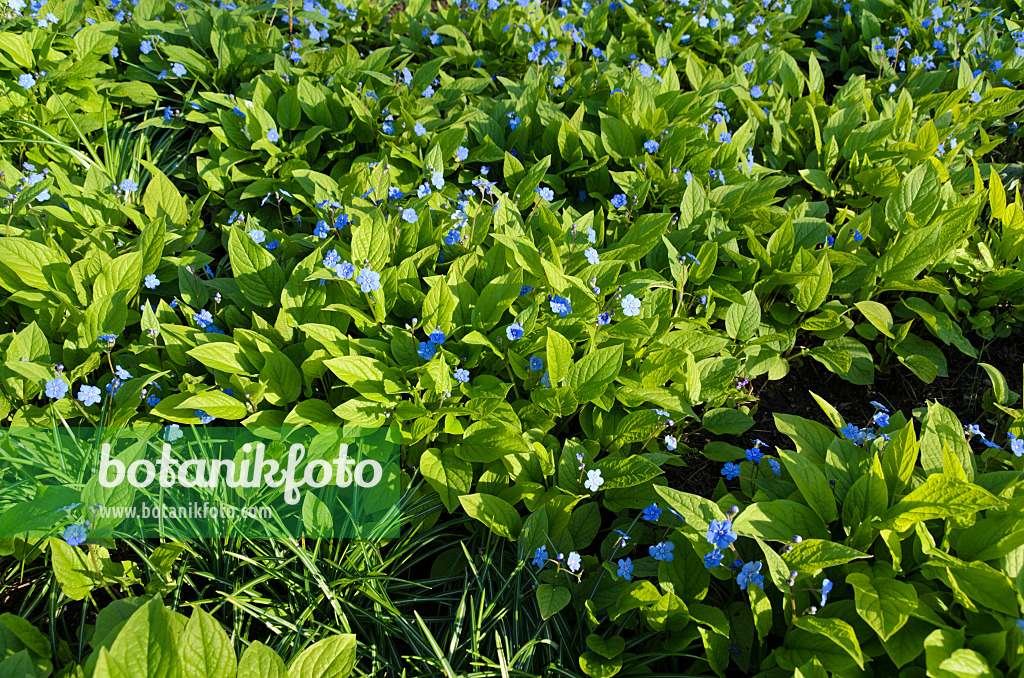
[(551, 274)]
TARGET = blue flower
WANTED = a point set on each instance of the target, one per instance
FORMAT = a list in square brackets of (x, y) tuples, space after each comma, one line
[(730, 470), (1019, 624), (345, 270), (540, 556), (26, 81), (178, 70), (662, 551), (272, 136), (203, 318), (462, 375), (857, 237), (427, 350), (75, 535), (776, 468), (152, 400), (619, 200), (146, 46), (826, 587), (626, 569), (755, 454), (546, 193), (368, 280), (652, 513), (604, 318), (592, 256), (750, 574), (713, 559), (129, 185), (878, 406), (461, 153), (651, 146), (203, 417), (756, 92), (630, 305), (975, 97), (561, 306), (536, 364), (56, 388), (89, 395), (152, 282), (573, 561), (514, 331), (1016, 445), (720, 534), (524, 290), (545, 380), (437, 336), (409, 214), (670, 442), (419, 129), (645, 70), (321, 229), (881, 419)]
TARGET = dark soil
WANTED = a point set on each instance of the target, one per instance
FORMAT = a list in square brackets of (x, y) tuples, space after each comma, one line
[(899, 390)]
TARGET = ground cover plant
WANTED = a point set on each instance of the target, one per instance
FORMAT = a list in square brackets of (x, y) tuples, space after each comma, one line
[(558, 249)]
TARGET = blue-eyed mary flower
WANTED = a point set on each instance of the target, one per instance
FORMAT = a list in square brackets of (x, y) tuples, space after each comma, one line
[(75, 535), (594, 480), (514, 331), (662, 551), (630, 305), (368, 280), (826, 588), (652, 513), (750, 574), (720, 533), (625, 569)]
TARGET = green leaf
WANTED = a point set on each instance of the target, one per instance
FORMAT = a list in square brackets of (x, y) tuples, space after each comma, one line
[(332, 657), (225, 356), (698, 511), (811, 294), (23, 264), (487, 441), (617, 138), (727, 421), (281, 379), (216, 404), (495, 299), (742, 320), (884, 603), (438, 306), (256, 271), (940, 496), (551, 599), (99, 38), (259, 661), (779, 520), (72, 568), (450, 476), (497, 514), (146, 645), (588, 377), (205, 649), (559, 356), (813, 555), (812, 483), (837, 631), (627, 472), (161, 198)]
